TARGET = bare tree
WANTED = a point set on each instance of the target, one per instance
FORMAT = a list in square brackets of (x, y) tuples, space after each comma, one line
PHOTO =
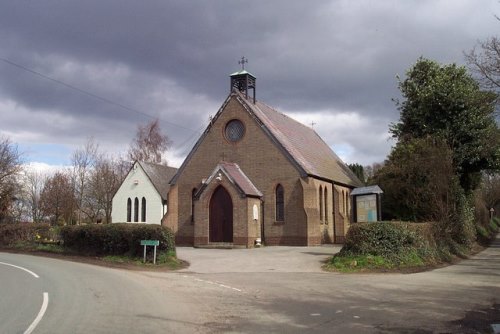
[(57, 199), (10, 166), (34, 182), (104, 182), (149, 144), (84, 160), (484, 60)]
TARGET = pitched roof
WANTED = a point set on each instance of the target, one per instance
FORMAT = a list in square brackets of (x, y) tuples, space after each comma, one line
[(302, 144), (159, 175), (367, 190), (236, 176)]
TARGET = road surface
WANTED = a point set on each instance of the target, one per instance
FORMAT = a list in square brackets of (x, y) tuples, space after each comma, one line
[(226, 296)]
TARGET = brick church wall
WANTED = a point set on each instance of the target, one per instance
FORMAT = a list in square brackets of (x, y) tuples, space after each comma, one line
[(261, 161)]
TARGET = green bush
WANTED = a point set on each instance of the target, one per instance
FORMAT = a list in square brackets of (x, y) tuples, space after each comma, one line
[(388, 239), (115, 239), (494, 225), (11, 234)]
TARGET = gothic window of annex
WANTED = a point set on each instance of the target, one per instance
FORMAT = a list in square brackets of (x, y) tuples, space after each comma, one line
[(280, 203)]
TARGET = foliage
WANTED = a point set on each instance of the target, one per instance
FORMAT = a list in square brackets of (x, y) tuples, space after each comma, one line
[(115, 239), (358, 170), (10, 166), (371, 170), (488, 197), (418, 181), (485, 233), (149, 144), (357, 262), (386, 246), (446, 102), (388, 239), (11, 234), (163, 258)]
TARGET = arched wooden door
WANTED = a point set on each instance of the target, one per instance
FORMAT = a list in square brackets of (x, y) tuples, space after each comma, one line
[(221, 216)]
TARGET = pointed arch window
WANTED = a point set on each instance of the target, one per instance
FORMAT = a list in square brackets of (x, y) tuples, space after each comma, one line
[(280, 203), (320, 203), (143, 210), (346, 203), (193, 193), (136, 210), (343, 202), (326, 205), (129, 210)]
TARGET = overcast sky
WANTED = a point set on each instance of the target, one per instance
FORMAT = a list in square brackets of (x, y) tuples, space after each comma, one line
[(113, 63)]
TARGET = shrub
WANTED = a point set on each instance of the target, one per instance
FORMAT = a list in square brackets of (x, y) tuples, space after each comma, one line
[(391, 240), (115, 239), (11, 234), (494, 225)]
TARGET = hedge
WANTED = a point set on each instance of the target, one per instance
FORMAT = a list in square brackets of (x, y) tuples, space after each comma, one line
[(12, 234), (388, 239), (115, 239)]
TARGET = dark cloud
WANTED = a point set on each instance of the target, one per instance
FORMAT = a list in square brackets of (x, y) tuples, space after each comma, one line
[(171, 59)]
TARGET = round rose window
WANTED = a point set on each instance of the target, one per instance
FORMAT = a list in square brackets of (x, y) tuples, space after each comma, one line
[(234, 130)]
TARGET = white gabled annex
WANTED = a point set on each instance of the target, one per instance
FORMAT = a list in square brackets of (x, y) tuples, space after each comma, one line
[(142, 196)]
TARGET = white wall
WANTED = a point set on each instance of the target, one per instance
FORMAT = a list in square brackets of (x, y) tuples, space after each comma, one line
[(143, 188)]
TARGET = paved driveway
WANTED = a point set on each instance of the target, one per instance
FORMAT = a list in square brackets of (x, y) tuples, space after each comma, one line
[(256, 260)]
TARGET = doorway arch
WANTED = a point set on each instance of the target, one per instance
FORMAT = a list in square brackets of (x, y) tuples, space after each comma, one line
[(221, 216)]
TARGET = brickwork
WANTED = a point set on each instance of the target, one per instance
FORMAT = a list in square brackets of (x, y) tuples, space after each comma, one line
[(267, 167), (260, 160), (342, 203)]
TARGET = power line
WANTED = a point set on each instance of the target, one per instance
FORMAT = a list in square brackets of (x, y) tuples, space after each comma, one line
[(95, 96)]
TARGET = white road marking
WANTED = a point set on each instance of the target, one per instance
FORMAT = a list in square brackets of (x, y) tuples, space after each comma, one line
[(18, 267), (216, 283), (40, 314), (315, 314)]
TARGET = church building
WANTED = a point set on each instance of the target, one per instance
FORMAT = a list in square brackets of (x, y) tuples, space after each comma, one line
[(256, 175)]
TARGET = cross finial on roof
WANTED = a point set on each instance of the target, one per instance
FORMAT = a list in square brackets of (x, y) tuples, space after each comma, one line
[(313, 124), (242, 62)]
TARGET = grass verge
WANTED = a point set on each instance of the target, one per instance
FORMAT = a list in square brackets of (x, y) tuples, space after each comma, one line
[(164, 261)]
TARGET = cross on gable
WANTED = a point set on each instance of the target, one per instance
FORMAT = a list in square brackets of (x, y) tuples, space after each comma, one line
[(242, 62)]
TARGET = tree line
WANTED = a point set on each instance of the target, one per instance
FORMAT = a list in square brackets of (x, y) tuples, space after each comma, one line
[(80, 193)]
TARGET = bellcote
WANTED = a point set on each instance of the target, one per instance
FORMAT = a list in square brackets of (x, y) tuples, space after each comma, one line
[(243, 80)]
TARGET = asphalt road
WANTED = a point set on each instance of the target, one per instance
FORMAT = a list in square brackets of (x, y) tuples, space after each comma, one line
[(90, 299)]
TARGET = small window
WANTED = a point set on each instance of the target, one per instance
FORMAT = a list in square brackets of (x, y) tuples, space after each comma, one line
[(129, 210), (320, 203), (143, 210), (280, 203), (136, 210)]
